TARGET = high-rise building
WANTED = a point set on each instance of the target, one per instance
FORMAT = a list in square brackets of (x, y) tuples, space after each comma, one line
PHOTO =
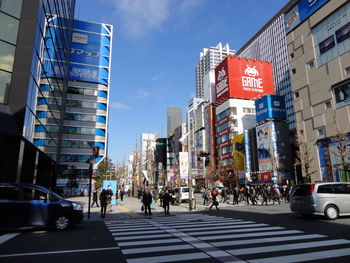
[(269, 44), (205, 75), (22, 37), (147, 156), (318, 42), (81, 109), (174, 119)]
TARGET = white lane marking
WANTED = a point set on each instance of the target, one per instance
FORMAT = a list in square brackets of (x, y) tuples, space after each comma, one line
[(264, 240), (131, 229), (201, 222), (169, 258), (155, 249), (137, 233), (142, 237), (7, 237), (259, 229), (149, 242), (58, 252), (284, 232), (195, 230), (280, 247), (334, 253), (183, 226)]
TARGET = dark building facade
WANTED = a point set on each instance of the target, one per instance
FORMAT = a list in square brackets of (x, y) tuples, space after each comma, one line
[(21, 49)]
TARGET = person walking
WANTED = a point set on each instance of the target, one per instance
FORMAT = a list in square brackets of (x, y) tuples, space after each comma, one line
[(160, 196), (235, 195), (109, 193), (265, 194), (94, 198), (166, 202), (103, 203), (121, 194), (147, 200), (214, 197), (252, 192), (206, 196)]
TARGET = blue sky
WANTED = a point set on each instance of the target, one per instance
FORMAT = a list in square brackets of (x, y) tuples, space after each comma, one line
[(156, 46)]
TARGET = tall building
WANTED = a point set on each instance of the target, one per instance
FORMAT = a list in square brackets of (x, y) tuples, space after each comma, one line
[(174, 119), (147, 156), (82, 108), (22, 38), (205, 76), (269, 44), (318, 42)]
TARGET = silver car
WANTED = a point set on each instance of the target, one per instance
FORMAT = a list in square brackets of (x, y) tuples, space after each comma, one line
[(328, 199)]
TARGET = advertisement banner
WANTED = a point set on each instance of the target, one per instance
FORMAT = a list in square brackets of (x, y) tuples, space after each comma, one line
[(270, 107), (303, 10), (183, 160), (114, 188), (238, 152), (242, 79), (247, 152), (264, 146)]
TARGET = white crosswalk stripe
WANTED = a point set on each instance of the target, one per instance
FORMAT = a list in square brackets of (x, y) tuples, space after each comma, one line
[(206, 238)]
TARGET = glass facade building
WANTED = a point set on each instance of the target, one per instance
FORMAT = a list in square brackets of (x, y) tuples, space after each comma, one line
[(23, 43), (82, 108), (270, 44)]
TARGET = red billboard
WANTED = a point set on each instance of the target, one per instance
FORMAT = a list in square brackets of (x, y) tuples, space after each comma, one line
[(242, 78)]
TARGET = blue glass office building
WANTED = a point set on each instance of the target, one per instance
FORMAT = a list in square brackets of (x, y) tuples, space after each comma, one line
[(83, 107)]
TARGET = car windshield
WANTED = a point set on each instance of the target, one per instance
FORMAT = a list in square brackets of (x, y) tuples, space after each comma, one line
[(185, 190)]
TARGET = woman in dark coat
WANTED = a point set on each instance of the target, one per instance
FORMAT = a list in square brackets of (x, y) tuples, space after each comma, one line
[(147, 200), (103, 202), (166, 198)]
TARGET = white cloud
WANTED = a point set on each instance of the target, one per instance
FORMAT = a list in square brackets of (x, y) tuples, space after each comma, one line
[(139, 18), (157, 77), (119, 106), (140, 94)]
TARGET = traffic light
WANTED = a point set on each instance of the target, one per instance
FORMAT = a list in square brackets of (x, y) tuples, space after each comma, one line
[(95, 151)]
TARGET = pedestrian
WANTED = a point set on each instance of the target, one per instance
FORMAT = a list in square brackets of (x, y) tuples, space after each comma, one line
[(223, 195), (247, 194), (94, 198), (147, 200), (265, 194), (235, 195), (121, 194), (109, 198), (166, 201), (214, 197), (252, 192), (160, 196), (103, 203), (206, 197), (276, 196)]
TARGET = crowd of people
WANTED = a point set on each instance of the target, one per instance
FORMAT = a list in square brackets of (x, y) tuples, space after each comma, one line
[(249, 194)]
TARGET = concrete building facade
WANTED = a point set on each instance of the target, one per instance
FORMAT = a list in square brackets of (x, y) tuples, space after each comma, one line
[(319, 52)]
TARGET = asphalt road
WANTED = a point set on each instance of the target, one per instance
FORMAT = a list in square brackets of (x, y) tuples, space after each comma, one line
[(243, 233)]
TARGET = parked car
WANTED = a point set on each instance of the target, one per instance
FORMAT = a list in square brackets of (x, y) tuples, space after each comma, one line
[(327, 199), (182, 194), (28, 205)]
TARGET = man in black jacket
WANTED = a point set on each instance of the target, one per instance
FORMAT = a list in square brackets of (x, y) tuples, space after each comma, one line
[(103, 203), (166, 198), (147, 200)]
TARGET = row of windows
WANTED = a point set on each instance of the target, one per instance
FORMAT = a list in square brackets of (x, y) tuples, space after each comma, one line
[(84, 117), (70, 130), (73, 103), (76, 158), (69, 144)]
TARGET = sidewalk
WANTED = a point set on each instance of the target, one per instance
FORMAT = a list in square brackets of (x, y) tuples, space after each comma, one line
[(129, 208)]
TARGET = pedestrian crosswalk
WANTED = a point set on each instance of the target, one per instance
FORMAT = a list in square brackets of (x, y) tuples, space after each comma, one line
[(207, 238)]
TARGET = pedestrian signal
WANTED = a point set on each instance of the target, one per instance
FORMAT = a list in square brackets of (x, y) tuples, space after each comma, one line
[(95, 151)]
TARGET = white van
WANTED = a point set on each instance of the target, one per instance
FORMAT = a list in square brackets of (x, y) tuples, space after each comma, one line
[(182, 194)]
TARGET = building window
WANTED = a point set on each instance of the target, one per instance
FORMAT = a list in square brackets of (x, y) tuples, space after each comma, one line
[(294, 71), (320, 131), (291, 55), (296, 94), (311, 64), (347, 71), (328, 104)]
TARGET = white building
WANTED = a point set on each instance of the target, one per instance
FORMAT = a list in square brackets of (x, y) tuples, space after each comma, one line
[(232, 117), (148, 147), (205, 70)]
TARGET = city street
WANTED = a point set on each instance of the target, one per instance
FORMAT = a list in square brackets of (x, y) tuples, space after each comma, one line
[(243, 233)]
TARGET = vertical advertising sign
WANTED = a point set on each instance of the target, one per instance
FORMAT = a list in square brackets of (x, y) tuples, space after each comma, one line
[(238, 152), (264, 146), (183, 159), (247, 152)]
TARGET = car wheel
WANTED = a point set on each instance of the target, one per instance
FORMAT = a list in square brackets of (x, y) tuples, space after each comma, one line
[(62, 222), (331, 212)]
